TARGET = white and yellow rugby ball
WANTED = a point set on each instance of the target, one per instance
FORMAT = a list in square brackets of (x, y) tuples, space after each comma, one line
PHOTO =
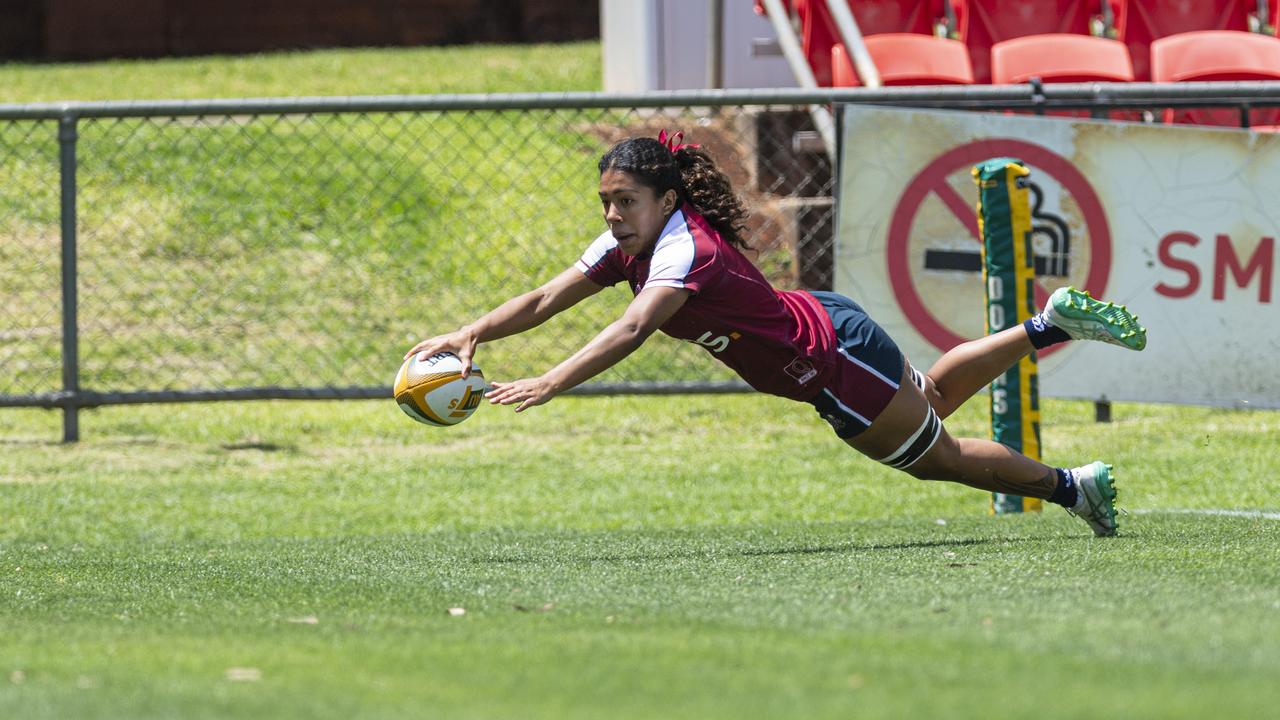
[(431, 389)]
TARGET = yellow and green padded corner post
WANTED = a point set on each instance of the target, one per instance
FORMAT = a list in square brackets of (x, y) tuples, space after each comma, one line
[(1008, 275)]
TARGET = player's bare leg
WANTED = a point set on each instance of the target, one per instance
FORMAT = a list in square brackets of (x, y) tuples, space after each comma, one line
[(982, 464), (969, 367), (1068, 315), (908, 435)]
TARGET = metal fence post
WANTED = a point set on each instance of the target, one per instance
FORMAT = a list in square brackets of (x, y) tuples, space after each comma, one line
[(715, 44), (67, 136)]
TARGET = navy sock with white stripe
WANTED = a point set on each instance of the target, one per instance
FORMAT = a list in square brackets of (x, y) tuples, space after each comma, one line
[(1067, 492), (1043, 334)]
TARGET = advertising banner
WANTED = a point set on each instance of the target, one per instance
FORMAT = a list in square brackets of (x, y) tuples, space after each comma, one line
[(1178, 223)]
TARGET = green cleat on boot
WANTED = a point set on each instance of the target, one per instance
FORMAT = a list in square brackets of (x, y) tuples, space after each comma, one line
[(1084, 318), (1096, 503)]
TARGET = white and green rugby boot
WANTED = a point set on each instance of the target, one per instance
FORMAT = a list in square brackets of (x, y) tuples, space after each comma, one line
[(1096, 503), (1084, 318)]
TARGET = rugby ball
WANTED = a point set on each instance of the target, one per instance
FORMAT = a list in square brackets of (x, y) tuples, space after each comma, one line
[(431, 389)]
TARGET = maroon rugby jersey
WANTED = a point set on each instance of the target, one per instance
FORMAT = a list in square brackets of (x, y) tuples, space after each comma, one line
[(781, 343)]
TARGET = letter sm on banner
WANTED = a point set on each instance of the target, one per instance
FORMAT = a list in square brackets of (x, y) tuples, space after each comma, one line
[(1178, 223)]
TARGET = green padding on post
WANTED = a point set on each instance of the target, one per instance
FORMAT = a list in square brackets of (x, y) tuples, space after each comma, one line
[(1008, 274)]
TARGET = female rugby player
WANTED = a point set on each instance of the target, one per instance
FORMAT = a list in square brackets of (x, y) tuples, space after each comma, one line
[(675, 236)]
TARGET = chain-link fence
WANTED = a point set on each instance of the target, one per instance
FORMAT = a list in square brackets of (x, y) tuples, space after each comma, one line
[(30, 317), (295, 248)]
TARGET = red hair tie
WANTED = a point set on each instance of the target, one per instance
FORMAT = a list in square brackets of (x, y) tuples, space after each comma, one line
[(673, 141)]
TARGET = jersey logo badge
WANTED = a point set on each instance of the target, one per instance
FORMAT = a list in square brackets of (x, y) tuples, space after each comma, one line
[(801, 370)]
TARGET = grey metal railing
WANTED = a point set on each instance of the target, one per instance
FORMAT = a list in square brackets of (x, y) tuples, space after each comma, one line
[(293, 247)]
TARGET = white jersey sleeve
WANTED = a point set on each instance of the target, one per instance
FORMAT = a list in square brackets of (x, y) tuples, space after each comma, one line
[(597, 251), (673, 255), (595, 262)]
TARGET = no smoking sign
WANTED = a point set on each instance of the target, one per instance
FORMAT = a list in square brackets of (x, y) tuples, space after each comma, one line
[(934, 245)]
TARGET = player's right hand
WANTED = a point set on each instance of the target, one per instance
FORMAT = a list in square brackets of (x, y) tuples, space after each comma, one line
[(459, 342)]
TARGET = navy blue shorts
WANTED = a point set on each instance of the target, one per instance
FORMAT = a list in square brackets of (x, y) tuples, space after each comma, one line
[(867, 374)]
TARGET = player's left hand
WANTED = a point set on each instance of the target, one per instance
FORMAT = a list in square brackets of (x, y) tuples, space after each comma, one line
[(528, 392)]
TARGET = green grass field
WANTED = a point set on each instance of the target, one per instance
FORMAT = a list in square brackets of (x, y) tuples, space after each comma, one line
[(630, 557), (393, 71), (661, 557)]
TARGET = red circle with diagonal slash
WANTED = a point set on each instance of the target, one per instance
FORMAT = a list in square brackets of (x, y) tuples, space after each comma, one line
[(933, 179)]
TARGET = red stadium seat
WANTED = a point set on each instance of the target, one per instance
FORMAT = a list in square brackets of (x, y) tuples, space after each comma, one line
[(986, 22), (1060, 58), (1141, 22), (1210, 55), (819, 34), (907, 59)]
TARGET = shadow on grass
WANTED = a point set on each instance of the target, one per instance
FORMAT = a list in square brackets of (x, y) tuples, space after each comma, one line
[(29, 442), (823, 549), (148, 440), (263, 446)]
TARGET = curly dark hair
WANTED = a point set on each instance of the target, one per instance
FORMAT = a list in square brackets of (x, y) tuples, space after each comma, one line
[(691, 173)]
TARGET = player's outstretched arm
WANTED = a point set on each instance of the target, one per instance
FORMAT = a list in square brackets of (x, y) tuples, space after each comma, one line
[(514, 316), (646, 313)]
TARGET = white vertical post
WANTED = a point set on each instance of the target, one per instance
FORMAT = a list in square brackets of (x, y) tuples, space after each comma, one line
[(800, 68), (715, 44), (851, 35), (631, 43)]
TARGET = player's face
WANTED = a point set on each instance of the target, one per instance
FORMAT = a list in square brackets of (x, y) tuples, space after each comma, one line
[(635, 213)]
